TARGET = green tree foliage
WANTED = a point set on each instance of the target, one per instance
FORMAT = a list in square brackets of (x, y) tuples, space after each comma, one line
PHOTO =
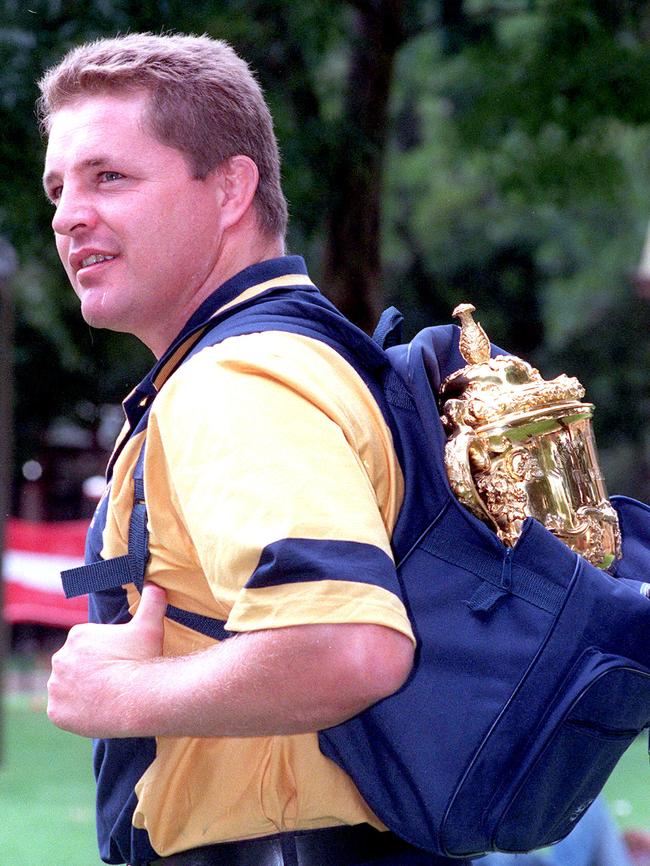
[(434, 150), (518, 177)]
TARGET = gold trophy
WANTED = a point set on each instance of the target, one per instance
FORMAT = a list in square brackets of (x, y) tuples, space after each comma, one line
[(519, 446)]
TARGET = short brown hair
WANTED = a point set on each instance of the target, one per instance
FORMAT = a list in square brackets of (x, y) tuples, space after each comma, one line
[(203, 100)]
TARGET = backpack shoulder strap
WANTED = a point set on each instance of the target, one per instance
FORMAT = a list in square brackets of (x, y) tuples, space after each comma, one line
[(130, 568), (276, 313), (111, 573)]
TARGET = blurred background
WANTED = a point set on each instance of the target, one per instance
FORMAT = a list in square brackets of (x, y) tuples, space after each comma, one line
[(434, 151)]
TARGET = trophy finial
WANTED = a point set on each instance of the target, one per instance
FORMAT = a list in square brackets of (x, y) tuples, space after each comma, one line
[(474, 344)]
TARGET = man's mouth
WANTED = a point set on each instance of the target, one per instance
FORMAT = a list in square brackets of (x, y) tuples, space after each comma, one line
[(95, 259)]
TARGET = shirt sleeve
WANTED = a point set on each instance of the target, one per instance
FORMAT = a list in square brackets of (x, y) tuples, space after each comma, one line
[(286, 481)]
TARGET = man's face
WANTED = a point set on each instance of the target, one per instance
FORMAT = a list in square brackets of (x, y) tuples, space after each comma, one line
[(138, 236)]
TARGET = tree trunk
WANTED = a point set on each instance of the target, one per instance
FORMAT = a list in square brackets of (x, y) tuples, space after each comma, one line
[(352, 261)]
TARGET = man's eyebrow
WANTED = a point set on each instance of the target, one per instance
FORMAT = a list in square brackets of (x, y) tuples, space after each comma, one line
[(91, 162)]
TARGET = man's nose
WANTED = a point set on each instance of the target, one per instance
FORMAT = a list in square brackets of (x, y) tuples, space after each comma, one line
[(74, 212)]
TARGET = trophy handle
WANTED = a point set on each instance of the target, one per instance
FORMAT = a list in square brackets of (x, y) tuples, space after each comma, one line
[(464, 451)]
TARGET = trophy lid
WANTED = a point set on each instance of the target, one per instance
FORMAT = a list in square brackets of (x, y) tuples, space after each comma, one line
[(489, 389)]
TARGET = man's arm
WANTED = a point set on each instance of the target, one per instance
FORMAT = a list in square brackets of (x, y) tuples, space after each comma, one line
[(112, 680)]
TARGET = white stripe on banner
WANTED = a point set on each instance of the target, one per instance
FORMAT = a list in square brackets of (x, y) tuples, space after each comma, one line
[(37, 570)]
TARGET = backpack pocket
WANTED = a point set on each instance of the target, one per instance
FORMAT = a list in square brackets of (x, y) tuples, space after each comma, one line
[(603, 709)]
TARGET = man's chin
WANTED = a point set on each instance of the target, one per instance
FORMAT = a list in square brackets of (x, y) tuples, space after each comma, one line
[(98, 316)]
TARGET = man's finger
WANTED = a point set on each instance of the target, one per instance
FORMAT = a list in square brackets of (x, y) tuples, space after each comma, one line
[(151, 610)]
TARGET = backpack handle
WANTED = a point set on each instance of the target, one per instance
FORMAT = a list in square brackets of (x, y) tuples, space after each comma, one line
[(389, 328)]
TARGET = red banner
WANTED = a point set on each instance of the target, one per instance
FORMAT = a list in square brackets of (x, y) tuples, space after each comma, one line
[(34, 556)]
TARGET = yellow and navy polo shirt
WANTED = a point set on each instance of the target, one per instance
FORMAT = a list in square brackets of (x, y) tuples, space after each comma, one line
[(272, 489)]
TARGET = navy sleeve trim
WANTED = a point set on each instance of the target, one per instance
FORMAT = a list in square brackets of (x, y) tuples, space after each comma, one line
[(300, 560)]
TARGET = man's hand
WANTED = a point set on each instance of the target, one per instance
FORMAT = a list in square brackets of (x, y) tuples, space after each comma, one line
[(95, 663), (112, 680)]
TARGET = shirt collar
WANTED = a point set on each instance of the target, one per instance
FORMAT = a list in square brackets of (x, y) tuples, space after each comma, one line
[(286, 270), (282, 272)]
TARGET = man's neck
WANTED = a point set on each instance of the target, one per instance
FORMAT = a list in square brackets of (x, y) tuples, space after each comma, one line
[(233, 260)]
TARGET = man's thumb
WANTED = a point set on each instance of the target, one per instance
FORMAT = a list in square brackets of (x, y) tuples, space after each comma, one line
[(151, 610)]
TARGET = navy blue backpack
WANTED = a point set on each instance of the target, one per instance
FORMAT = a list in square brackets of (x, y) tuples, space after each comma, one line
[(532, 671)]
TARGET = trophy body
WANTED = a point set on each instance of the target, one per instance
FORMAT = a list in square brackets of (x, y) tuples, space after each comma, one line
[(520, 446)]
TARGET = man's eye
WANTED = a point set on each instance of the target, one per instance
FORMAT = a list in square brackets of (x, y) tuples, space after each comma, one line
[(54, 194), (111, 175)]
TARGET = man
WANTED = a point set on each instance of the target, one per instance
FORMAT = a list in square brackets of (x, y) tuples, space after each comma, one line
[(270, 480)]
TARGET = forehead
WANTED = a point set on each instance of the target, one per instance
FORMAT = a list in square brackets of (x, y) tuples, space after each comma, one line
[(101, 124)]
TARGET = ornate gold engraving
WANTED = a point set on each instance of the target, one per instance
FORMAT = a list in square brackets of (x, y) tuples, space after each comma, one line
[(520, 446)]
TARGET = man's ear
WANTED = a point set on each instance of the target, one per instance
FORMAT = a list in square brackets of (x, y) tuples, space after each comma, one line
[(237, 179)]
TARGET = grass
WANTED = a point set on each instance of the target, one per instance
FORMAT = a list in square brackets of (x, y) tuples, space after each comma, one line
[(47, 791), (628, 788)]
